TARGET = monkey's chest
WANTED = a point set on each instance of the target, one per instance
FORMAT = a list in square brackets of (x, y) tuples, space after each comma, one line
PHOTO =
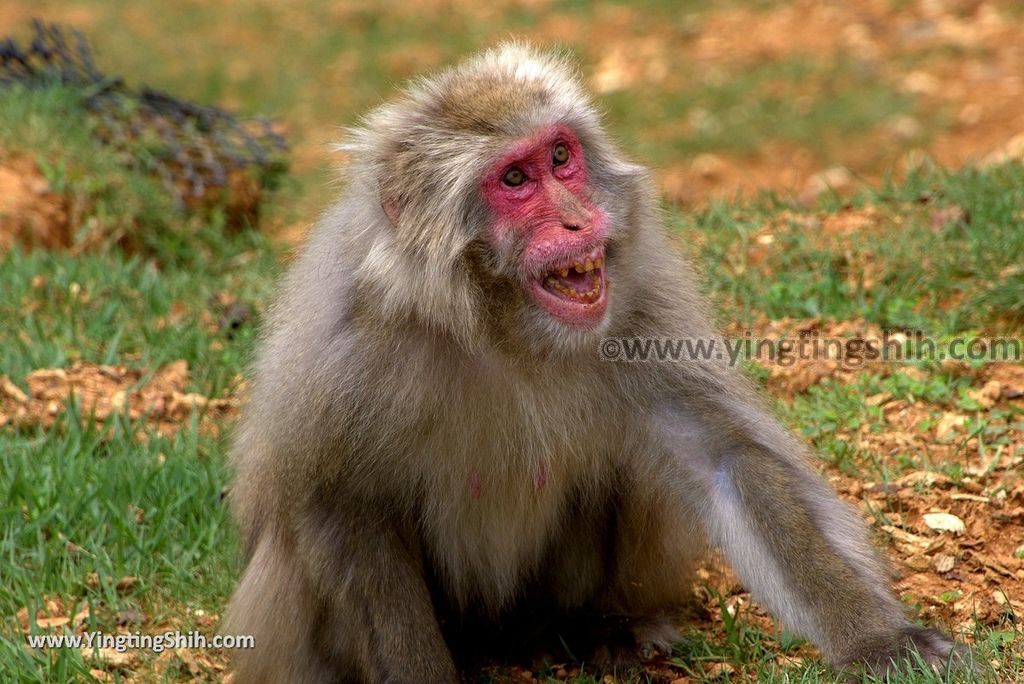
[(496, 507), (503, 464)]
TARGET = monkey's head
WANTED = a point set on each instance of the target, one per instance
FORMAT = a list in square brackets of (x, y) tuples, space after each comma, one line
[(504, 202), (540, 202)]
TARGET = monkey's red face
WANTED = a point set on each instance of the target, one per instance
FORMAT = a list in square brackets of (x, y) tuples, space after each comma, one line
[(541, 200)]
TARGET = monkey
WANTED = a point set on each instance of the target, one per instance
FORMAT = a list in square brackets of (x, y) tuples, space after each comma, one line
[(434, 446)]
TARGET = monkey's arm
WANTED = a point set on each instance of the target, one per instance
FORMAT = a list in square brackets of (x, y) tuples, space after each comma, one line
[(801, 551), (334, 588)]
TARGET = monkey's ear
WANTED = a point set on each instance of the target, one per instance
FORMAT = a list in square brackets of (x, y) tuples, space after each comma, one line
[(392, 199), (391, 209)]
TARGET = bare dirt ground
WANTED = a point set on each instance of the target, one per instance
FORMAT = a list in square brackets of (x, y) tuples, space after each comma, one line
[(962, 61), (30, 212)]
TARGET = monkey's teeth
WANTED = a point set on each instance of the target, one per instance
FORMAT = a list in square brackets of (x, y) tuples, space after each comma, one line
[(558, 281)]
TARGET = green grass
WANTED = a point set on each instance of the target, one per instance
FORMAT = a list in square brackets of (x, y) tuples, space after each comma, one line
[(51, 127), (105, 304), (797, 101), (81, 499), (146, 510), (962, 275)]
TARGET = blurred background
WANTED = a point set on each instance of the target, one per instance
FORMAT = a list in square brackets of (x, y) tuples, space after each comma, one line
[(723, 98)]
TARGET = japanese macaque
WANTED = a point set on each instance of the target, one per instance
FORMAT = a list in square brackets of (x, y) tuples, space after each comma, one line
[(434, 449)]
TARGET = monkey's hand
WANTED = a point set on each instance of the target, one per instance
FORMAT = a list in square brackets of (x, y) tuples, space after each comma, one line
[(802, 552), (913, 647)]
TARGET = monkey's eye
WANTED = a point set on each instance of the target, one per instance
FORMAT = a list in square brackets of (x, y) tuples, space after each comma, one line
[(514, 177), (560, 155)]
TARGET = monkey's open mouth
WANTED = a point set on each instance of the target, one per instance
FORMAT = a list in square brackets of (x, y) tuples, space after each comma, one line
[(575, 291), (579, 283)]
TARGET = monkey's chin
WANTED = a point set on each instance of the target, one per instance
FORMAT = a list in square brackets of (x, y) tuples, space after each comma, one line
[(577, 303)]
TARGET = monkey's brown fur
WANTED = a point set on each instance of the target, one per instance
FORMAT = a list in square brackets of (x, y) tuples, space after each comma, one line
[(425, 449)]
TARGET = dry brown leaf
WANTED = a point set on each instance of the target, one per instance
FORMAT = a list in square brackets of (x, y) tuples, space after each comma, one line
[(988, 394), (51, 622), (878, 399), (12, 390), (126, 583), (1001, 599), (906, 537), (717, 670), (917, 561), (103, 391), (926, 478), (993, 564), (110, 657), (1010, 377), (80, 617), (22, 617), (947, 425), (959, 496)]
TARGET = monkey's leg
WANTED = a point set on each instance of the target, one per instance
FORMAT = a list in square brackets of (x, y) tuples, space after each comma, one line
[(657, 549), (803, 553), (326, 610)]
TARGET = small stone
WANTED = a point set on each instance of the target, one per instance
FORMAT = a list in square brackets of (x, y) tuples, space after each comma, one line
[(944, 522), (835, 179), (708, 166), (943, 563)]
